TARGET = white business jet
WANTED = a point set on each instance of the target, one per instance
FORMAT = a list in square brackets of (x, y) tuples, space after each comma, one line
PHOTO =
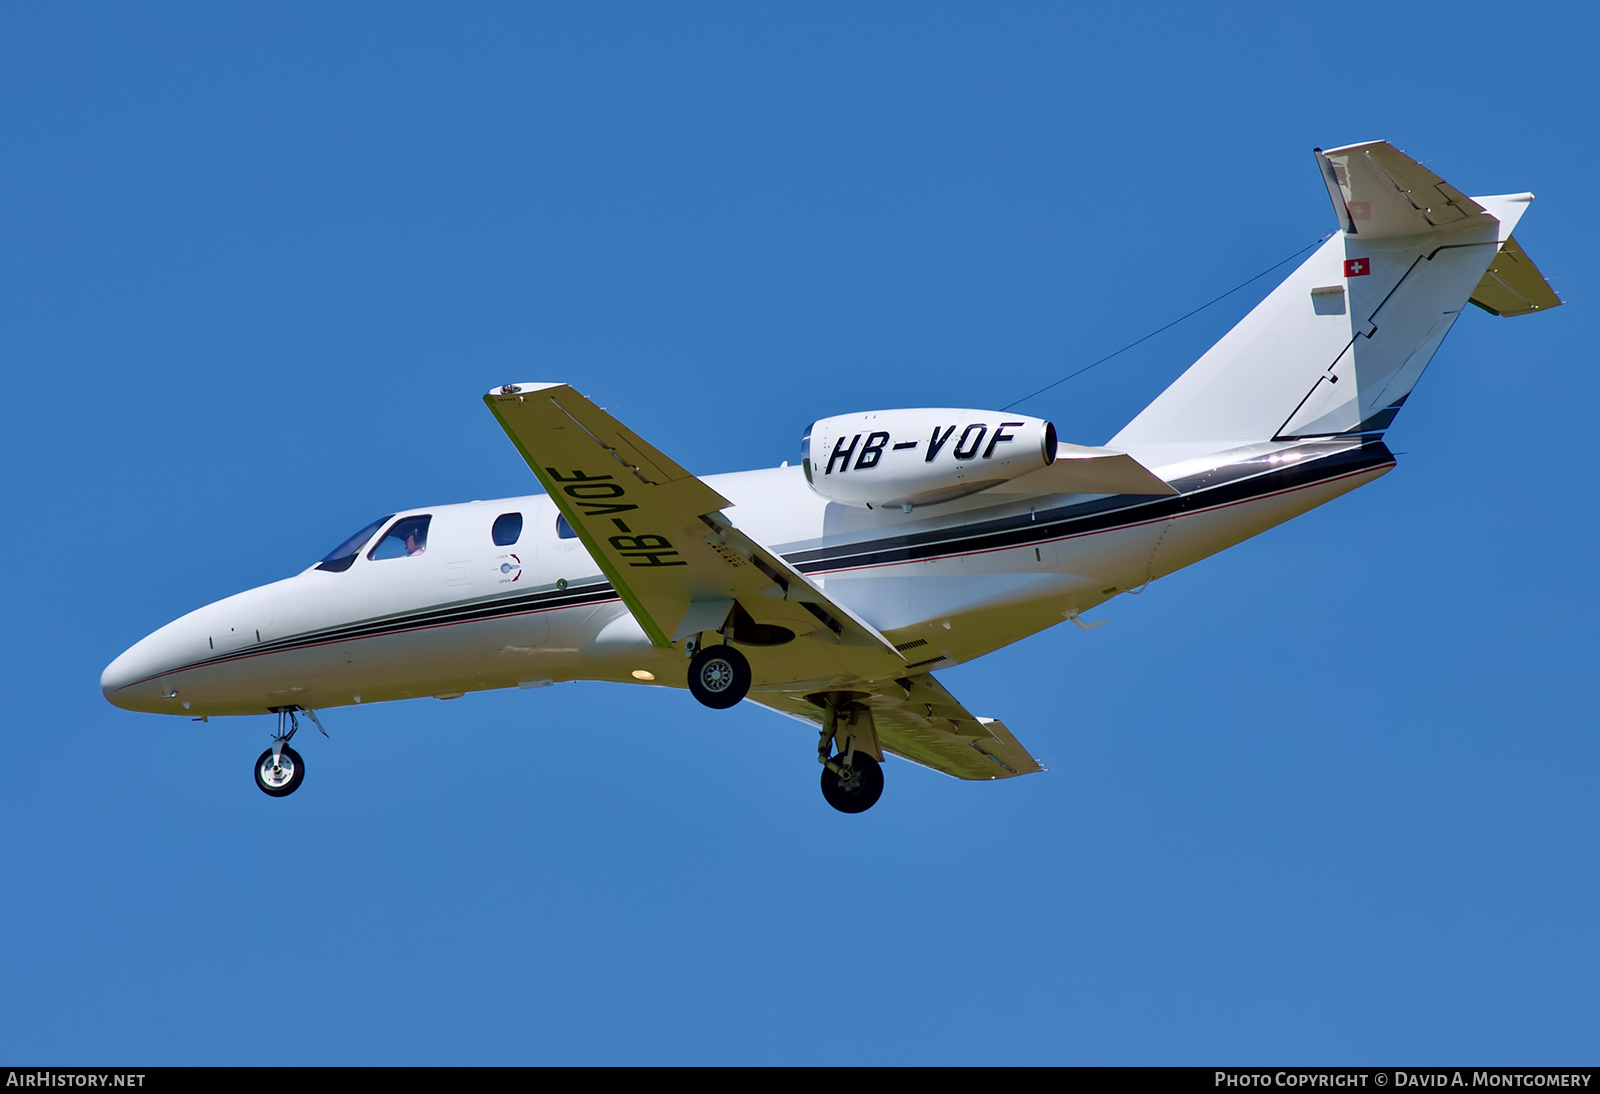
[(905, 541)]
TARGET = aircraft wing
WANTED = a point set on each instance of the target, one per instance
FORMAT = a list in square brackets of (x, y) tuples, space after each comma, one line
[(657, 532), (918, 720)]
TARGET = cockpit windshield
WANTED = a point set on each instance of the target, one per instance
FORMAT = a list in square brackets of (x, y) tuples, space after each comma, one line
[(340, 558), (408, 537)]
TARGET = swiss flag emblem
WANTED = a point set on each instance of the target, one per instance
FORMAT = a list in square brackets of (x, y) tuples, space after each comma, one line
[(1357, 267)]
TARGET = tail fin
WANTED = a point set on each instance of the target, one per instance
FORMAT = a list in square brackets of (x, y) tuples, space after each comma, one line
[(1336, 348)]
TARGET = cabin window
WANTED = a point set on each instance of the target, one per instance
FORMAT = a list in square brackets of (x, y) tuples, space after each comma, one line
[(563, 529), (507, 529), (339, 559), (408, 536)]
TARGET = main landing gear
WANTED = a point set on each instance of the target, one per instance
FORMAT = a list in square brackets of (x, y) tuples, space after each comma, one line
[(280, 770), (856, 788), (852, 778), (719, 676)]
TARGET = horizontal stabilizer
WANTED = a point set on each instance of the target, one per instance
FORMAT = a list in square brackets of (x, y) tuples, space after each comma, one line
[(1513, 285), (1080, 469), (1379, 192)]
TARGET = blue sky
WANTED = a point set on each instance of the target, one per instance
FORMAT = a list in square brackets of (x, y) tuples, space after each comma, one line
[(1325, 798)]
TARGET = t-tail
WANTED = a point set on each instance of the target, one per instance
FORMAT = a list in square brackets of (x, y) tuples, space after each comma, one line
[(1335, 350)]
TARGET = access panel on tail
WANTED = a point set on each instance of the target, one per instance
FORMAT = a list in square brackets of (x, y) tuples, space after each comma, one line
[(1336, 348)]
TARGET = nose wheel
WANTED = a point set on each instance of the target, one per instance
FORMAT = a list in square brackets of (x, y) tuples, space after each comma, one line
[(280, 775)]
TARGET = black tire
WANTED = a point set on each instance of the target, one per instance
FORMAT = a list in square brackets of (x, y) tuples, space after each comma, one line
[(863, 795), (719, 677), (275, 784)]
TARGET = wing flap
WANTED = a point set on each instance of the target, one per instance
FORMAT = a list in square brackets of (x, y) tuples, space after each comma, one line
[(791, 585), (929, 726)]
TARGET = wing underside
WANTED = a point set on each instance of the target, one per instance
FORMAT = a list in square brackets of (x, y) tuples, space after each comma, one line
[(917, 719)]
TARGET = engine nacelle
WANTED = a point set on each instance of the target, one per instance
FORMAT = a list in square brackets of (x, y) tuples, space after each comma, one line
[(887, 458)]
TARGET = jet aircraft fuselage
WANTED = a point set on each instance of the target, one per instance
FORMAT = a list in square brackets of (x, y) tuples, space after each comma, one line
[(465, 613)]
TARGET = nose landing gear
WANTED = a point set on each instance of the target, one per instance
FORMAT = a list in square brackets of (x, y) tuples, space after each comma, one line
[(280, 770)]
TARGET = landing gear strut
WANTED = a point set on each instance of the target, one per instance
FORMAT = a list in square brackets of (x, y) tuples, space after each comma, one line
[(280, 770)]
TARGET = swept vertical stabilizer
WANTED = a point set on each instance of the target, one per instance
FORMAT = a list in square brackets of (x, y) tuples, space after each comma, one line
[(1337, 347)]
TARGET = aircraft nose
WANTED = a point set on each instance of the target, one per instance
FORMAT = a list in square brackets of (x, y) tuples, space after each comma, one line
[(150, 673), (118, 680), (118, 675), (132, 681)]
